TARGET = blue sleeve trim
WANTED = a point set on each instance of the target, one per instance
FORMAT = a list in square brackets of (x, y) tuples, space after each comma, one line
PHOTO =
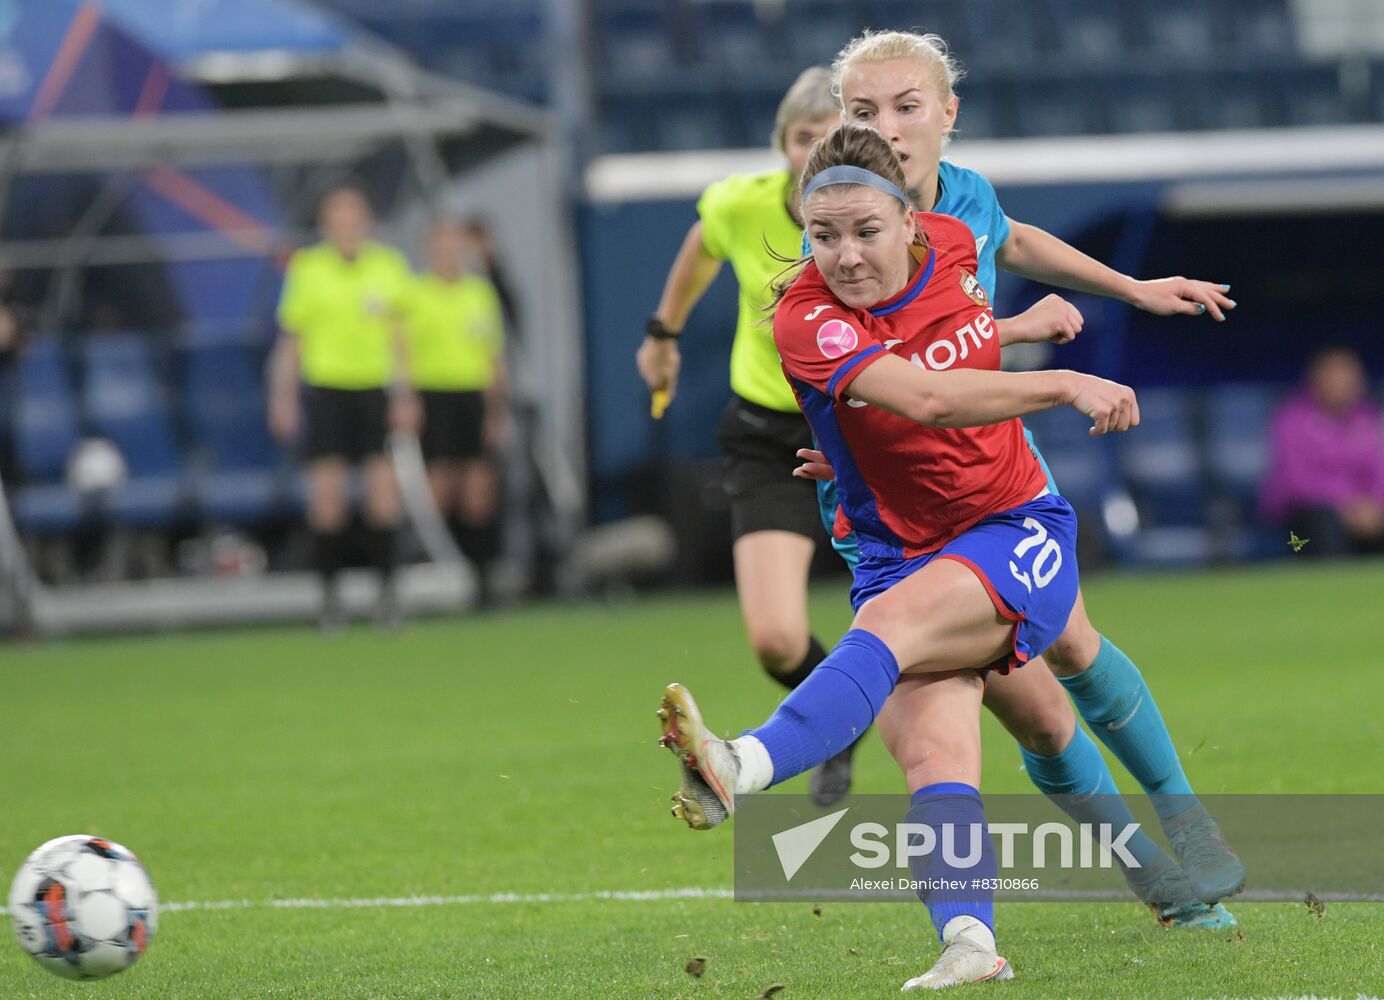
[(849, 367)]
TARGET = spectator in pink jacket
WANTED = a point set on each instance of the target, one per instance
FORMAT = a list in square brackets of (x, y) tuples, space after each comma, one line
[(1326, 471)]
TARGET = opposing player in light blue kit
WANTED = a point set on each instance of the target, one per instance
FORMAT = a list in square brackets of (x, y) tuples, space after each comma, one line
[(901, 84)]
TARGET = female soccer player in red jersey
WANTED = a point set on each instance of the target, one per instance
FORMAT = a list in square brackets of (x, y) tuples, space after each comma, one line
[(901, 84), (967, 561)]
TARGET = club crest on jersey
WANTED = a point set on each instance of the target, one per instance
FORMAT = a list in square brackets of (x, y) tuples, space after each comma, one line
[(836, 338), (971, 285)]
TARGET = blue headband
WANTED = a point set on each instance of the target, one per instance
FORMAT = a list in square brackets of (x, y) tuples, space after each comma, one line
[(856, 175)]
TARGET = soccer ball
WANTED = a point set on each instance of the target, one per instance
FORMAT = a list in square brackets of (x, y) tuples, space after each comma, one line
[(83, 907)]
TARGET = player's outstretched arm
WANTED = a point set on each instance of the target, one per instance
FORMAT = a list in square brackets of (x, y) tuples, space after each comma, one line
[(969, 398), (692, 273), (1041, 256)]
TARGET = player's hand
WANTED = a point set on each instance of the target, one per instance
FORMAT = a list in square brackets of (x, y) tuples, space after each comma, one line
[(659, 362), (1182, 297), (285, 417), (1111, 406), (405, 412), (815, 466), (1051, 318)]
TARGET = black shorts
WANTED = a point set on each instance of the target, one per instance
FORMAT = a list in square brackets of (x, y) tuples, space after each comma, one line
[(761, 448), (350, 424), (453, 425)]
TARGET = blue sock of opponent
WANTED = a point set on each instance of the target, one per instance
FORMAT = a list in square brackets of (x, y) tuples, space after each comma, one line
[(1116, 703), (832, 707), (957, 804), (1084, 789)]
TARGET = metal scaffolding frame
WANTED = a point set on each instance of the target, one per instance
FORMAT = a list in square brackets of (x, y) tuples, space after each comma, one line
[(445, 130)]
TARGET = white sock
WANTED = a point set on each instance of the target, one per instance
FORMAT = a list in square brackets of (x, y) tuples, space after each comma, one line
[(973, 928), (756, 767)]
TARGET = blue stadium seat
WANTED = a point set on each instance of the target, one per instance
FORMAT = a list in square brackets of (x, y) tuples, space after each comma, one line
[(1046, 107), (1090, 32), (1237, 452), (1081, 465), (46, 430), (1008, 37), (940, 17), (636, 45), (1162, 463), (816, 35), (126, 400), (1145, 103), (731, 36), (1312, 95), (1260, 29), (1242, 100), (238, 478), (979, 111)]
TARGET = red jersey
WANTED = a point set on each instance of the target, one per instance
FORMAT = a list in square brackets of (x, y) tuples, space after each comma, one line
[(905, 489)]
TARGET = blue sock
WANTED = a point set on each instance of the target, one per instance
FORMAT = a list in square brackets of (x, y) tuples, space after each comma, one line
[(832, 707), (1116, 703), (1082, 786), (958, 804)]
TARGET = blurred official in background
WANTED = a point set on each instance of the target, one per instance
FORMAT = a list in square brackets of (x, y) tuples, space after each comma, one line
[(339, 313), (455, 331)]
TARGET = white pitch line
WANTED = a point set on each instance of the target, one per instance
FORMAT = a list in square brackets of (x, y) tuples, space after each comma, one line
[(384, 902), (650, 895)]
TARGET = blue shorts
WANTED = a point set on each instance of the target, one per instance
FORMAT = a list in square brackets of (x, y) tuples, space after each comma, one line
[(846, 547), (1025, 557)]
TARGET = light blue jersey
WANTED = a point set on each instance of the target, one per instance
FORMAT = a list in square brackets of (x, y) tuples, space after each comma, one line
[(968, 196)]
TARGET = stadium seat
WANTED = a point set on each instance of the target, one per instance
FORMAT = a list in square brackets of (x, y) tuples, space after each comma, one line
[(1090, 32), (1180, 31), (125, 399), (1162, 463), (1312, 95), (46, 430), (1260, 28), (941, 17), (1237, 452), (1084, 470), (1046, 106), (1144, 103), (238, 478), (815, 35), (1242, 100), (636, 45), (1081, 465), (731, 37)]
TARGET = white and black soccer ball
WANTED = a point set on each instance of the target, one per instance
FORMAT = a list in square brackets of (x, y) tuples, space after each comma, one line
[(83, 907)]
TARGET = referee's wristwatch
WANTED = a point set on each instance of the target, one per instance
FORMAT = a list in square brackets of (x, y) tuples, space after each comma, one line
[(657, 331)]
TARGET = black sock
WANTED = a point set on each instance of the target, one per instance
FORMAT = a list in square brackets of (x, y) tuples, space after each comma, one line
[(458, 531), (379, 544), (815, 655), (328, 555), (480, 543)]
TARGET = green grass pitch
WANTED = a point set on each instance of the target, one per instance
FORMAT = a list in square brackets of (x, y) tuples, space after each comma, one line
[(516, 754)]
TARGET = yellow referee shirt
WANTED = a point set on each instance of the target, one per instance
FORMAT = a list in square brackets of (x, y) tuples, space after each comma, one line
[(455, 332), (740, 215), (342, 312)]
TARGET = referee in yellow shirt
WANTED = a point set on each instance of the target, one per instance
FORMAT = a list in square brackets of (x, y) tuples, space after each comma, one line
[(749, 221), (339, 312), (455, 334)]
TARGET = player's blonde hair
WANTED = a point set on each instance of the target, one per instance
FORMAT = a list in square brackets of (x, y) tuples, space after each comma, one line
[(810, 98), (879, 46)]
